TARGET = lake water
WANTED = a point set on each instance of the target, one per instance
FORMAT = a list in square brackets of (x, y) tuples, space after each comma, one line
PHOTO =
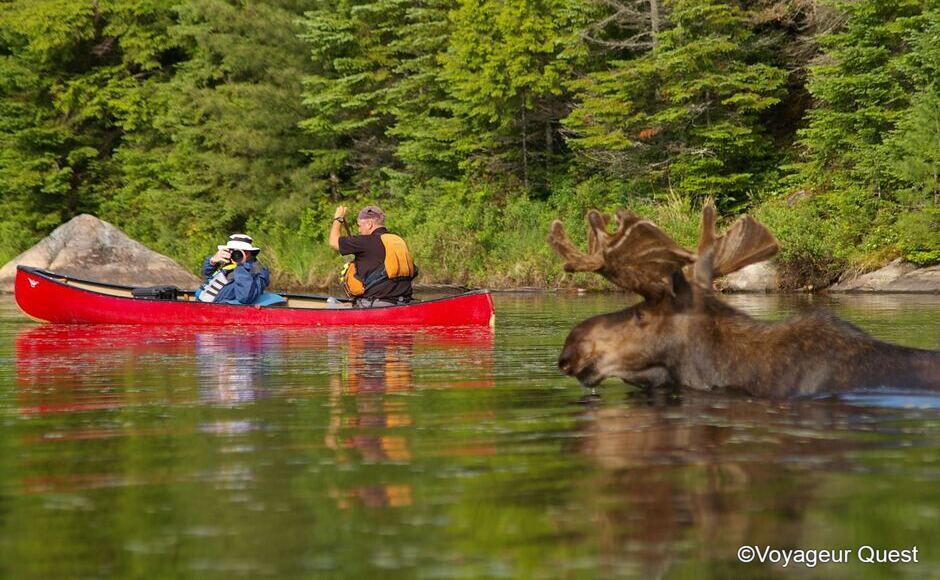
[(184, 453)]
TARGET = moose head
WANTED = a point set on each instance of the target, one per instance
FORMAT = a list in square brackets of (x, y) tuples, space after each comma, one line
[(649, 344)]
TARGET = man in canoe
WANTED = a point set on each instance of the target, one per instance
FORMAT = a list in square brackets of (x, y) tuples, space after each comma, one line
[(382, 270), (232, 275)]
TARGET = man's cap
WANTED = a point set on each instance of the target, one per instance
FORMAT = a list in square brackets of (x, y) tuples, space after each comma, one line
[(371, 212), (240, 242)]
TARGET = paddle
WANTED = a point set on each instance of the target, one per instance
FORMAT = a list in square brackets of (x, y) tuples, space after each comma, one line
[(345, 226)]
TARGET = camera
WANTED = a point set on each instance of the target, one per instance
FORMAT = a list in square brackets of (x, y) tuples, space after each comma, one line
[(236, 256)]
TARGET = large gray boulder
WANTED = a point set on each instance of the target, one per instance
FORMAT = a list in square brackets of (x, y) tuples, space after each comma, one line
[(873, 281), (760, 277), (925, 280), (87, 247), (898, 276)]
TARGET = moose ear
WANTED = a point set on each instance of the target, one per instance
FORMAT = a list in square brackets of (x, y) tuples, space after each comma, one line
[(682, 293)]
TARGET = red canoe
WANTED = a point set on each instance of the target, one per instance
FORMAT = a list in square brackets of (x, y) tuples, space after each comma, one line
[(62, 299)]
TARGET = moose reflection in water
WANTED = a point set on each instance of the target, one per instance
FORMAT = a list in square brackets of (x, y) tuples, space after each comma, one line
[(683, 335), (697, 484)]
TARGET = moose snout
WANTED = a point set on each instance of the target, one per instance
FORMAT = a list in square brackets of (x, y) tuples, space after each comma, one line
[(566, 359)]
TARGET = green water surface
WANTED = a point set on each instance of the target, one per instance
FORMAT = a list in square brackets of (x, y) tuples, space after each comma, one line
[(289, 453)]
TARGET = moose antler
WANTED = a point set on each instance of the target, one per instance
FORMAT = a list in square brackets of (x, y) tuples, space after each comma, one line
[(640, 257), (746, 242)]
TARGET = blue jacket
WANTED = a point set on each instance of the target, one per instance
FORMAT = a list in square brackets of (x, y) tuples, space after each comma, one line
[(250, 281)]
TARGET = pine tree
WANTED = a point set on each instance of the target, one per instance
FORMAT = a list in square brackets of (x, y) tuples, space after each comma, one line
[(913, 148), (506, 69), (858, 87), (685, 115), (73, 77), (424, 124), (867, 147), (221, 148), (347, 95)]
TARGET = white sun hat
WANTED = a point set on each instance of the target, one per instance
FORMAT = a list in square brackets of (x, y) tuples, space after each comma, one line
[(240, 242)]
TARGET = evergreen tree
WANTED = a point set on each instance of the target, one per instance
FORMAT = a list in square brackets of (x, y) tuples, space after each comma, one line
[(867, 150), (221, 148), (506, 68), (351, 44), (685, 115), (73, 76), (914, 160), (424, 124), (913, 148), (859, 89)]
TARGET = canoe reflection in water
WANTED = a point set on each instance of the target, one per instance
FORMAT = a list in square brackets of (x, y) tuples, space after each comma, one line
[(268, 374), (71, 368), (369, 421)]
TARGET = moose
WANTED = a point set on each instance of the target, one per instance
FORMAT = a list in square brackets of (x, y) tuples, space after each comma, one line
[(683, 336)]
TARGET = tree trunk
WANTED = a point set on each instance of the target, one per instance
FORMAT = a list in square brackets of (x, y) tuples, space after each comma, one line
[(549, 146), (334, 186), (654, 21), (525, 149)]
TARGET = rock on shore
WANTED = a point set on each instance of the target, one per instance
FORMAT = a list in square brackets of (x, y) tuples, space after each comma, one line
[(90, 248), (926, 280), (760, 277), (898, 276)]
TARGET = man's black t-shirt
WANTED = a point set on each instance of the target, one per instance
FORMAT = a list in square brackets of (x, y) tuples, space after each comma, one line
[(370, 254)]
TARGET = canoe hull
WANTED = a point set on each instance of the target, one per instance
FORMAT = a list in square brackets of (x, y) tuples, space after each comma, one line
[(48, 297)]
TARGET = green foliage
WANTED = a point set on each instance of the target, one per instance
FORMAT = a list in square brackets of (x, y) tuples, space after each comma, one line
[(444, 88), (685, 115), (870, 148), (506, 67), (219, 145), (474, 123), (350, 43), (914, 161), (810, 249), (914, 147), (859, 88), (68, 76), (919, 235), (424, 126)]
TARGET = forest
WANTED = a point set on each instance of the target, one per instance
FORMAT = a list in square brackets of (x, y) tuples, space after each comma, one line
[(473, 123)]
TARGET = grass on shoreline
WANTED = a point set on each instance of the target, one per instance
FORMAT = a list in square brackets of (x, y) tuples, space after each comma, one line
[(466, 238)]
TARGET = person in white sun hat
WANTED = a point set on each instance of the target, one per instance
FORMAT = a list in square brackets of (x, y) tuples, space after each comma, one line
[(232, 274)]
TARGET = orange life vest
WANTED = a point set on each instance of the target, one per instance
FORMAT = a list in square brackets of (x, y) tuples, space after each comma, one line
[(398, 266)]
